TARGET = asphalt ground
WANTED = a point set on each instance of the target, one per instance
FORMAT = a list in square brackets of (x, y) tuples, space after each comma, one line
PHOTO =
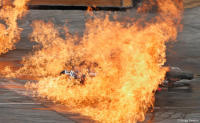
[(174, 105)]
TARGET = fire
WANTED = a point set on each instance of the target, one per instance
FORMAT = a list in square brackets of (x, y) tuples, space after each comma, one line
[(128, 61), (10, 32)]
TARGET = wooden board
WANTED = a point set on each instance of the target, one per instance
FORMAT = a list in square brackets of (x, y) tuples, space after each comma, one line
[(191, 3), (95, 3)]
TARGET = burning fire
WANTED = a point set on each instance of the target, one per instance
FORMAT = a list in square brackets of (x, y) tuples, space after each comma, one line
[(10, 32), (128, 61)]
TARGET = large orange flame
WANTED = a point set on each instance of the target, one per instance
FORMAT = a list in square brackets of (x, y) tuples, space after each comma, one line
[(10, 32), (128, 61)]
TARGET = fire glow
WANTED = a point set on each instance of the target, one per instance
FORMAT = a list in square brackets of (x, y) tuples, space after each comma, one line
[(129, 64), (10, 32)]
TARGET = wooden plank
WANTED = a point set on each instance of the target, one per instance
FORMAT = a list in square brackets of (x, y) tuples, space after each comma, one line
[(191, 3), (94, 3), (97, 3)]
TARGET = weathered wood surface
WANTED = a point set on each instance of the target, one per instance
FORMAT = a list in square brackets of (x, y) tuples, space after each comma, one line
[(191, 3), (101, 3), (98, 3), (94, 3)]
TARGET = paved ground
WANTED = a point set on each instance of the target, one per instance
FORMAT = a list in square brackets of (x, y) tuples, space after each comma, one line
[(181, 105), (17, 108)]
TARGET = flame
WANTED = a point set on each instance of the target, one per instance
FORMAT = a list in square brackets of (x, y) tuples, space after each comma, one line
[(10, 32), (127, 58)]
